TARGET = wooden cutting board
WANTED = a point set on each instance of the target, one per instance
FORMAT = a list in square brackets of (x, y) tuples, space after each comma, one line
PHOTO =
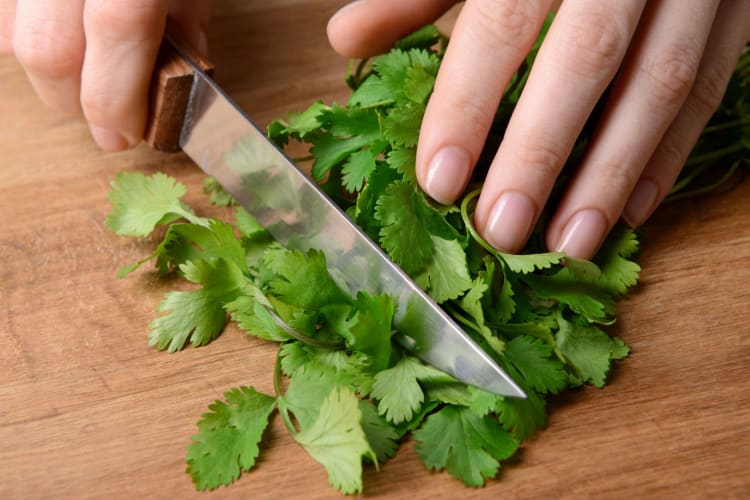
[(87, 409)]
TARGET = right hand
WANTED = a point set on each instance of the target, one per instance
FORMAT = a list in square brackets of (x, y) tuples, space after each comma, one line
[(97, 56)]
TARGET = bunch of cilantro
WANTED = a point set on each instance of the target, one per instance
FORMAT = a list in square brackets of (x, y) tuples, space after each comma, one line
[(351, 394)]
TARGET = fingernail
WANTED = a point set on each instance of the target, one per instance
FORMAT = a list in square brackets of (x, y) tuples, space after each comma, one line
[(641, 202), (583, 234), (510, 222), (109, 140), (448, 174)]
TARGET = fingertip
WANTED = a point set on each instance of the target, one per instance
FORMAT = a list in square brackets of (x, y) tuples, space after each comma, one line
[(510, 221), (447, 174), (344, 32), (641, 202), (110, 140), (582, 234)]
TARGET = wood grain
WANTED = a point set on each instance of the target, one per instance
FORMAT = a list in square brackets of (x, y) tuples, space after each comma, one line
[(88, 410)]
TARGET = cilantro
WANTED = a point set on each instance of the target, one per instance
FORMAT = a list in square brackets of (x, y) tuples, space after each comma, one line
[(382, 437), (337, 441), (446, 275), (468, 446), (140, 203), (198, 314), (352, 394), (218, 195), (294, 272), (523, 417), (533, 360), (228, 437), (398, 391), (402, 234)]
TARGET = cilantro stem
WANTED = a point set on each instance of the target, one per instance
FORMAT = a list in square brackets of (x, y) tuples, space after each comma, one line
[(300, 336), (681, 195), (713, 155), (301, 159), (280, 397), (740, 122), (378, 104), (470, 224)]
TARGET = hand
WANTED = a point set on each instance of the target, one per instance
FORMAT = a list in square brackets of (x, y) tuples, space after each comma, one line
[(97, 56), (668, 62)]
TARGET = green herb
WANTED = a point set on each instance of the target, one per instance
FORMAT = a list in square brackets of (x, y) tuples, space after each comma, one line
[(353, 396)]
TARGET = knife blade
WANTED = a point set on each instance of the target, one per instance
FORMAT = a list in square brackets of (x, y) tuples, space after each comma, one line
[(226, 144)]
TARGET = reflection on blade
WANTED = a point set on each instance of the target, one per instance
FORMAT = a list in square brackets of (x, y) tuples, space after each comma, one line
[(228, 146)]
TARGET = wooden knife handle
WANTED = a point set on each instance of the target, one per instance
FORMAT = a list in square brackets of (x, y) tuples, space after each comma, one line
[(169, 94)]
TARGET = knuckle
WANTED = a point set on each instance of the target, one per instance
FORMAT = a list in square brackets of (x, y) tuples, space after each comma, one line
[(102, 108), (543, 159), (47, 49), (475, 115), (671, 154), (507, 22), (671, 74), (709, 88), (593, 43), (127, 19)]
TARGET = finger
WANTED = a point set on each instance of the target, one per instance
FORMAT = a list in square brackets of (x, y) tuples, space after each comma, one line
[(654, 82), (578, 58), (730, 33), (365, 28), (190, 18), (489, 41), (122, 41), (7, 18), (49, 43)]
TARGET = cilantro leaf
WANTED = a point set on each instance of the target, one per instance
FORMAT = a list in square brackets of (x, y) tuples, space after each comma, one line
[(398, 391), (402, 234), (367, 329), (470, 447), (140, 203), (218, 195), (523, 417), (403, 160), (618, 272), (348, 130), (293, 274), (402, 123), (297, 125), (307, 389), (446, 275), (587, 348), (527, 263), (382, 437), (253, 317), (585, 298), (371, 92), (198, 314), (228, 437), (358, 167), (423, 38), (336, 440), (532, 358)]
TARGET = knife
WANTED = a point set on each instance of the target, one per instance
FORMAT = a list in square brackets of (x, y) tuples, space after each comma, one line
[(189, 111)]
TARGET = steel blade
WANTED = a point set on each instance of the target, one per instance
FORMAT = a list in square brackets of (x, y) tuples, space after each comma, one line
[(227, 145)]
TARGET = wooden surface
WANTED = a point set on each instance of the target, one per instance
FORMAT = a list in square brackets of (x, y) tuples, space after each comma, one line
[(87, 409)]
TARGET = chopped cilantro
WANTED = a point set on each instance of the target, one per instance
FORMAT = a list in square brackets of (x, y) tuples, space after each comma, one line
[(354, 395)]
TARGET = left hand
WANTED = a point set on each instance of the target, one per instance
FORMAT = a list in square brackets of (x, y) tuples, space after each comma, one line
[(668, 61)]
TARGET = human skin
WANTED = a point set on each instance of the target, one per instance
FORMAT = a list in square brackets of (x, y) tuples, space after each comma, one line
[(668, 63), (96, 57)]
